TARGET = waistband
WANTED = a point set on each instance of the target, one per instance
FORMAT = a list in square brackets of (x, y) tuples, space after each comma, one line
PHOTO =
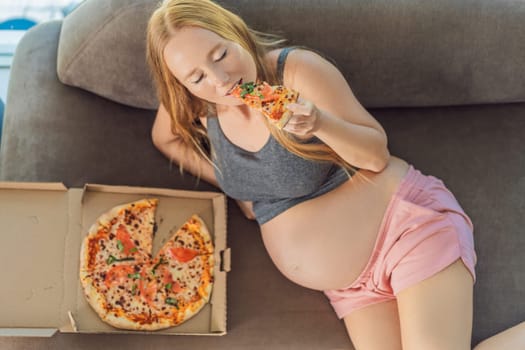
[(411, 183)]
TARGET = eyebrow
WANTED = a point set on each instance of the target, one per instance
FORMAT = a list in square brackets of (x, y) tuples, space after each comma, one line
[(187, 76)]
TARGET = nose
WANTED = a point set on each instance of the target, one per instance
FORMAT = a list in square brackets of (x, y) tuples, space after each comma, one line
[(219, 77)]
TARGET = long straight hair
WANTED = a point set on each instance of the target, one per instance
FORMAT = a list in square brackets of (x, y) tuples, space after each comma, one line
[(183, 107)]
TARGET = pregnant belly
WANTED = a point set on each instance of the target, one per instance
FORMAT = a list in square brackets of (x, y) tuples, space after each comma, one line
[(326, 242)]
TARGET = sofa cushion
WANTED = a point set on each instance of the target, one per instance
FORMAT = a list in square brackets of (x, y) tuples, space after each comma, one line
[(102, 49), (394, 54)]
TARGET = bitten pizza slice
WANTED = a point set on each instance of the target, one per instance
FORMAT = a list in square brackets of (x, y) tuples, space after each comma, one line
[(270, 100)]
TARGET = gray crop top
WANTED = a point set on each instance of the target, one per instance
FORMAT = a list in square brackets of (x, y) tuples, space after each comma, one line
[(273, 178)]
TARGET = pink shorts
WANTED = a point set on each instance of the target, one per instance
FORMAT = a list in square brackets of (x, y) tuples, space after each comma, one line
[(423, 231)]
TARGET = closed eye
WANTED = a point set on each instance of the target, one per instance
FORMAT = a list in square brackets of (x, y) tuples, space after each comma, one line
[(198, 80), (222, 56), (217, 60)]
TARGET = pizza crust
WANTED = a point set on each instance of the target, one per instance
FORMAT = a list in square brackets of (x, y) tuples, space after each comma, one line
[(281, 123), (208, 245), (93, 297), (120, 321)]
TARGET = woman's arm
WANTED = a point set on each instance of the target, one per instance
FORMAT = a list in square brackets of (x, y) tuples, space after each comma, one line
[(173, 148), (328, 109)]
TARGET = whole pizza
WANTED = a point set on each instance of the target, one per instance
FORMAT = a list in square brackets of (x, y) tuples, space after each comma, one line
[(131, 289)]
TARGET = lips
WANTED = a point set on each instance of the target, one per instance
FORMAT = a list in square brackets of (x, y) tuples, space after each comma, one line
[(234, 86)]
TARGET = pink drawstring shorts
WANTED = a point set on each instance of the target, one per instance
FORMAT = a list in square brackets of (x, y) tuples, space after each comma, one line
[(423, 231)]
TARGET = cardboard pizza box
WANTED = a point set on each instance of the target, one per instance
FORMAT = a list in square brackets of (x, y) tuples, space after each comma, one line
[(43, 225)]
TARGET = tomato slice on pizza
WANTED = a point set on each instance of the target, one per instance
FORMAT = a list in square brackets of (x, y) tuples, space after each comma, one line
[(270, 100)]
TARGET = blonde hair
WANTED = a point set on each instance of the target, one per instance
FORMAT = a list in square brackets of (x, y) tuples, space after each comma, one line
[(183, 107)]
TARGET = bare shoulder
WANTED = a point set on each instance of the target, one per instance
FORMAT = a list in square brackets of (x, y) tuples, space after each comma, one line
[(271, 58), (294, 57), (321, 82), (305, 67)]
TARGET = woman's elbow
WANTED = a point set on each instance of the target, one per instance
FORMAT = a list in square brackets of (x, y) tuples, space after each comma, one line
[(380, 163), (159, 140), (381, 158)]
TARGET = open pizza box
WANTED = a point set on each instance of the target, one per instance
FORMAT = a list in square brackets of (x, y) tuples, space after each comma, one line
[(43, 225)]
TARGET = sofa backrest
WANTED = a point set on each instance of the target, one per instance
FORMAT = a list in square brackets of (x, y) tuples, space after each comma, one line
[(394, 53)]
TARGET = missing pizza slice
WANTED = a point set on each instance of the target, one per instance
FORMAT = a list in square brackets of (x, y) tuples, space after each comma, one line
[(270, 100)]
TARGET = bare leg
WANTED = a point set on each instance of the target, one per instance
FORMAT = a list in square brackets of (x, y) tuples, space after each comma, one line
[(375, 327), (511, 339), (433, 314), (436, 313)]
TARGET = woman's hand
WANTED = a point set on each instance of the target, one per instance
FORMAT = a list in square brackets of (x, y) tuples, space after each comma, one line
[(305, 120), (247, 209)]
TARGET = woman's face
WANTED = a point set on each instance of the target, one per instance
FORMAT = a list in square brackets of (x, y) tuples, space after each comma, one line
[(208, 65)]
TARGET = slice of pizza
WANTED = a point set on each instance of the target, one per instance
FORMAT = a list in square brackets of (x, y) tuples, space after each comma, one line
[(176, 291), (188, 241), (124, 233), (270, 100), (113, 294)]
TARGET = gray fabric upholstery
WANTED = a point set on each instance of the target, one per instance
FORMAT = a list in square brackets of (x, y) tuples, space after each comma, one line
[(56, 132), (102, 50), (389, 51), (72, 135)]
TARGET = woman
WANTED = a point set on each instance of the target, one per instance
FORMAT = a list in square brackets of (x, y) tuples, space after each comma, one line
[(397, 257)]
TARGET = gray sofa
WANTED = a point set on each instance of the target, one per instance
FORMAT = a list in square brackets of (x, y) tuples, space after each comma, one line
[(445, 78)]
